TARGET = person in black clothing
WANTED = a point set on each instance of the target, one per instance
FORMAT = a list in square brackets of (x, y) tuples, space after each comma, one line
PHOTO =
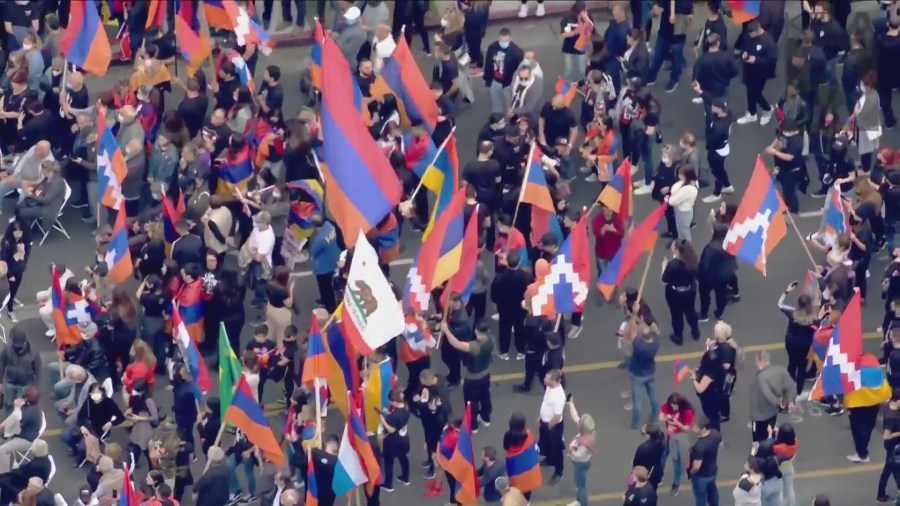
[(649, 454), (508, 294), (717, 148), (154, 302), (394, 420), (829, 34), (713, 72), (40, 127), (461, 325), (554, 358), (13, 105), (284, 360), (663, 178), (768, 462), (800, 331), (224, 87), (493, 128), (193, 106), (15, 248), (680, 278), (271, 93), (510, 151), (790, 167), (641, 492), (484, 175), (887, 49), (535, 330), (188, 248), (411, 14), (891, 425), (714, 271), (434, 409), (97, 416), (502, 60), (703, 466), (760, 57)]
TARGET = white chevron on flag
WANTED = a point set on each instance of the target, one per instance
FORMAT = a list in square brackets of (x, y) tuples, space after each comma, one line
[(418, 295), (560, 271), (842, 361), (758, 223)]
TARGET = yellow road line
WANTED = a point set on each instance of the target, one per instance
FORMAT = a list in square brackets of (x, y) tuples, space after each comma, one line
[(726, 485), (276, 408)]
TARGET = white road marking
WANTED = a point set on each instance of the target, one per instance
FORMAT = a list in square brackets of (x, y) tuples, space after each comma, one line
[(810, 214), (400, 261)]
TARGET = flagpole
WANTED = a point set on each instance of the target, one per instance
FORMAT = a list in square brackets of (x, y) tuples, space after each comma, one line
[(524, 182), (318, 395), (436, 155), (802, 240)]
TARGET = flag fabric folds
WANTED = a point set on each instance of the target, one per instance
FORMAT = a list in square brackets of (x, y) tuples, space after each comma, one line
[(512, 242), (681, 371), (402, 77), (237, 169), (441, 253), (536, 192), (371, 315), (442, 179), (191, 300), (523, 465), (215, 14), (127, 497), (194, 47), (243, 71), (156, 13), (835, 219), (841, 371), (618, 196), (568, 89), (461, 463), (758, 225), (171, 215), (315, 66), (111, 168), (84, 42), (69, 310), (229, 371), (192, 357), (342, 373), (743, 10), (464, 280), (375, 393), (312, 486), (362, 189), (348, 470), (418, 152), (416, 341), (642, 239), (118, 256), (585, 29), (247, 414), (244, 27), (316, 364), (565, 287)]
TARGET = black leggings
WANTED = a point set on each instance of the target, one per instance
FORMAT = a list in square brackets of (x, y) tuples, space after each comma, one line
[(415, 21), (136, 453), (798, 359), (682, 308), (862, 265), (13, 290)]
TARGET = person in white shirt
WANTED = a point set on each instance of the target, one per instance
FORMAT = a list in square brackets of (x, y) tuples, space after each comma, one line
[(26, 172), (550, 439), (383, 45), (261, 243), (682, 197)]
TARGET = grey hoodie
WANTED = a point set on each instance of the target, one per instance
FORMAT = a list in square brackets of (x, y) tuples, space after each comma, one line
[(19, 364), (771, 388)]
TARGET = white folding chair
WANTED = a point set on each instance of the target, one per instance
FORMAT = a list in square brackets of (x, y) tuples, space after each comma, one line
[(23, 457), (56, 223), (3, 334)]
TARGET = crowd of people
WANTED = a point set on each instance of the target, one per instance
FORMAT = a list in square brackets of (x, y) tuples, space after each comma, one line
[(197, 238)]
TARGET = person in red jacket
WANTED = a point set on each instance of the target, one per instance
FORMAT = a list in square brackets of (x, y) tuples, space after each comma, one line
[(608, 229), (143, 366)]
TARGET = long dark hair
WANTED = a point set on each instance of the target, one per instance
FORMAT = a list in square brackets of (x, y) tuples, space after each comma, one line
[(517, 431), (9, 240), (686, 254), (227, 290), (681, 401)]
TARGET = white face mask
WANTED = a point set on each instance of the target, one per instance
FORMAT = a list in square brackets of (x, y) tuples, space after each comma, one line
[(120, 118), (444, 22), (148, 63), (96, 396), (27, 47)]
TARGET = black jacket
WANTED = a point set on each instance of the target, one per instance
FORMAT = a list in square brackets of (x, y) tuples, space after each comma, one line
[(188, 249), (638, 62), (89, 353), (209, 489), (510, 62), (716, 266), (535, 330), (717, 131), (508, 290), (764, 49), (714, 71)]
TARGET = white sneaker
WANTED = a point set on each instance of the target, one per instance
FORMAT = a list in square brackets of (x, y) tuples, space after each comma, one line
[(574, 332), (747, 118), (766, 118), (503, 356), (592, 178), (495, 317), (50, 333), (586, 170), (523, 11), (709, 199), (12, 317), (856, 459), (697, 100), (520, 356), (540, 10), (728, 189), (643, 190)]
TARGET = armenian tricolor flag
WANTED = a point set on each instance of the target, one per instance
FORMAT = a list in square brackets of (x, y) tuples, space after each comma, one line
[(194, 47), (512, 242), (438, 259), (585, 30), (192, 358), (401, 77), (237, 169), (617, 195), (461, 463), (568, 89), (216, 17), (111, 168), (191, 301), (247, 414), (341, 370), (681, 371), (565, 288), (375, 393), (118, 256), (523, 465), (362, 189), (536, 192), (315, 66), (171, 215), (744, 10), (642, 239), (312, 486), (84, 42), (442, 179), (464, 280)]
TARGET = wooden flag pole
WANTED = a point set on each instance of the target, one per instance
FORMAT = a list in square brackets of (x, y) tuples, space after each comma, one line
[(318, 397), (802, 239), (524, 180)]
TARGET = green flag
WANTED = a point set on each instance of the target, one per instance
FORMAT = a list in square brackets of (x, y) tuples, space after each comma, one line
[(229, 371)]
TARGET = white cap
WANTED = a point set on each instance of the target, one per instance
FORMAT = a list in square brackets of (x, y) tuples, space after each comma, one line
[(352, 13)]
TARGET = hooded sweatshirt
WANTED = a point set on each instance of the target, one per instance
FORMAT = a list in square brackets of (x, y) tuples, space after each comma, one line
[(19, 364)]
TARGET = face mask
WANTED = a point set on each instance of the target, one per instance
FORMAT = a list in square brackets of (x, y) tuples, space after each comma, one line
[(666, 161), (120, 118), (136, 392), (96, 396), (683, 145), (27, 47), (148, 63), (499, 125), (504, 45), (444, 22), (526, 61)]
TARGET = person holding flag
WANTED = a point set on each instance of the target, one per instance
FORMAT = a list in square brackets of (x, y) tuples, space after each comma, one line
[(477, 381)]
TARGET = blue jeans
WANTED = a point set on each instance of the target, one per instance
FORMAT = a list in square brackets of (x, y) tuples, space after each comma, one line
[(581, 471), (890, 236), (677, 462), (705, 490), (234, 484), (661, 52), (254, 275), (639, 383), (10, 394)]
